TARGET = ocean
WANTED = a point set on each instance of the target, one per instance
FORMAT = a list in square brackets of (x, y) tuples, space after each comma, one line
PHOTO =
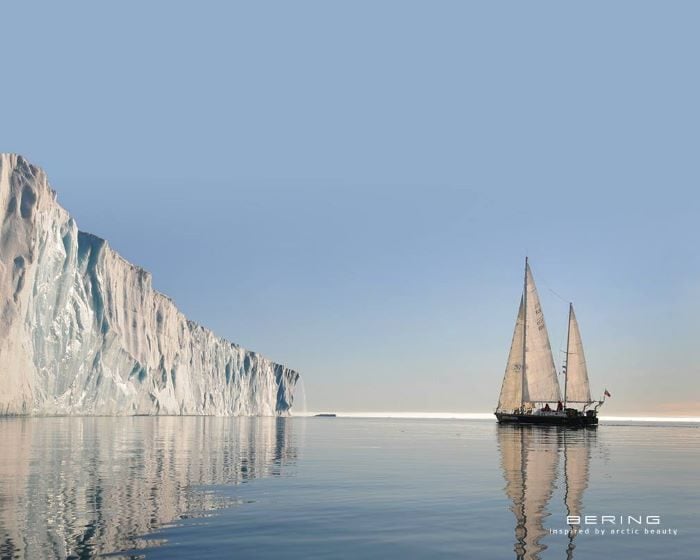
[(346, 487)]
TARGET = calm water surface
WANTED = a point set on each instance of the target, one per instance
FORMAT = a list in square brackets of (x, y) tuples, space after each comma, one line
[(344, 488)]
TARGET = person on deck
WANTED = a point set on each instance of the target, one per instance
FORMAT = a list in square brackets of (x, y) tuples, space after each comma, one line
[(560, 406), (546, 408)]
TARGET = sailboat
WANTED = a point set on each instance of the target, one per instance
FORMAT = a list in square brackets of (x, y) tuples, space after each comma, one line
[(530, 393)]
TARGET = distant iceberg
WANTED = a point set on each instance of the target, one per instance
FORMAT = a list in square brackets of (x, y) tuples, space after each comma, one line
[(82, 331)]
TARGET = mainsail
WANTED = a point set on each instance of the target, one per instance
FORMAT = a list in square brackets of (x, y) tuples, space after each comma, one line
[(540, 376), (577, 388), (541, 382)]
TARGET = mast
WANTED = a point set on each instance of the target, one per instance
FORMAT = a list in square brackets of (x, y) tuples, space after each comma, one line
[(566, 360), (522, 371)]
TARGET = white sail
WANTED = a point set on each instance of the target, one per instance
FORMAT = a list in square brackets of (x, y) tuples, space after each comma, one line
[(510, 398), (577, 388), (540, 374)]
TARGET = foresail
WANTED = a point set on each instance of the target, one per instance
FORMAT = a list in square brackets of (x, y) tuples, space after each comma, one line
[(577, 388), (540, 373), (512, 380)]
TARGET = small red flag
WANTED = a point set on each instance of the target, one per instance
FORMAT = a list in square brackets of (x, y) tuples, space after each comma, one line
[(607, 394)]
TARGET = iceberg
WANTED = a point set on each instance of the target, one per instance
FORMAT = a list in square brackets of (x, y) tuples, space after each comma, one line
[(83, 332)]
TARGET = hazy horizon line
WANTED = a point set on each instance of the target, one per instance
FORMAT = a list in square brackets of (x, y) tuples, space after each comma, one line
[(481, 416)]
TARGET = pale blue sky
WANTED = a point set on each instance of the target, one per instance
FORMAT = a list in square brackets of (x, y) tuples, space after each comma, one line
[(350, 188)]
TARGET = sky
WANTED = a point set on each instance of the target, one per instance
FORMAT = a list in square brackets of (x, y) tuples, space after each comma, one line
[(350, 188)]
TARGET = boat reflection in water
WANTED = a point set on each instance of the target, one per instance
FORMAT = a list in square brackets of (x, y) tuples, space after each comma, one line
[(532, 458), (86, 486)]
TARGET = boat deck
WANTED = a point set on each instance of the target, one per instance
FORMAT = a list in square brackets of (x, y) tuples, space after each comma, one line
[(547, 419)]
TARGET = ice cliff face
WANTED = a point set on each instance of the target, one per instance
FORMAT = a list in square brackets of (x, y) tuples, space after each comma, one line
[(82, 331)]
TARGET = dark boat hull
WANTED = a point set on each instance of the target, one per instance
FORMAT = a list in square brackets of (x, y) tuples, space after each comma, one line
[(578, 420)]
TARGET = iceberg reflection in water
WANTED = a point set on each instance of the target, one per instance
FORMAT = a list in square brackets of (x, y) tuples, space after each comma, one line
[(532, 458), (85, 486), (342, 488)]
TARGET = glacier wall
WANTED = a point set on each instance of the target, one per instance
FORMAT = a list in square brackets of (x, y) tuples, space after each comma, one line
[(82, 331)]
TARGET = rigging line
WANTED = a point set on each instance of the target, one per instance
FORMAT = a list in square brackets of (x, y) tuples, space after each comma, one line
[(561, 341), (556, 294), (543, 281)]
